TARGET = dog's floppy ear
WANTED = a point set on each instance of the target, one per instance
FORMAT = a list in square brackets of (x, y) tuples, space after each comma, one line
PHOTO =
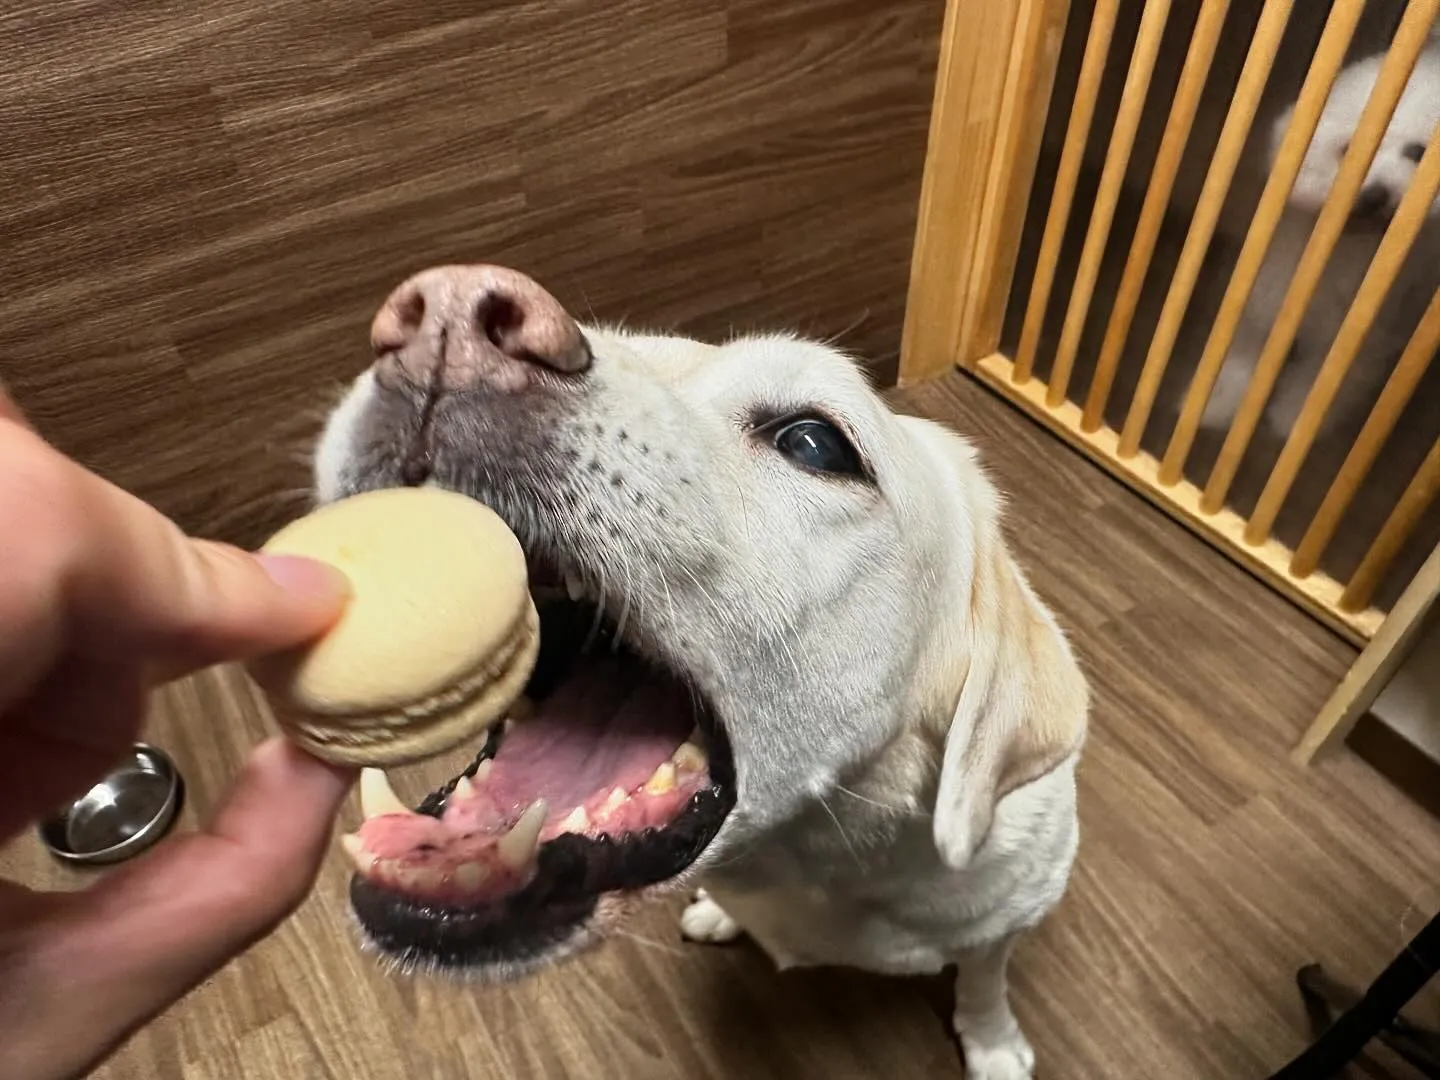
[(1022, 707)]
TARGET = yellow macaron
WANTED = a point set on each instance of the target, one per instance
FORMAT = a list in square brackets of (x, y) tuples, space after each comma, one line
[(436, 643)]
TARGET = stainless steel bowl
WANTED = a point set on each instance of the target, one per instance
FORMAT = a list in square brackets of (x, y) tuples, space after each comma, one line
[(122, 815)]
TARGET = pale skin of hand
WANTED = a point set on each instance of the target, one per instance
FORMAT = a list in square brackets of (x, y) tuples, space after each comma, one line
[(103, 599)]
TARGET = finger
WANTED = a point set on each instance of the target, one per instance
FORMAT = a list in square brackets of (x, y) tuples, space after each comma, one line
[(128, 583), (9, 410), (59, 741), (217, 890), (143, 587), (123, 951)]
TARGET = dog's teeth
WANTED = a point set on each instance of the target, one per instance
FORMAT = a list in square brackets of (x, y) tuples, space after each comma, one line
[(577, 821), (469, 876), (482, 771), (517, 847), (355, 848), (573, 587), (662, 780), (419, 879), (689, 758), (464, 789), (377, 797), (614, 802)]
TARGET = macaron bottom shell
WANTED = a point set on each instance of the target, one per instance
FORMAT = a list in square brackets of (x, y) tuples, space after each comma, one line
[(417, 731)]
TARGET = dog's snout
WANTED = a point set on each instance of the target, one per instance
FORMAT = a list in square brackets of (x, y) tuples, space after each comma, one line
[(1372, 202), (454, 327)]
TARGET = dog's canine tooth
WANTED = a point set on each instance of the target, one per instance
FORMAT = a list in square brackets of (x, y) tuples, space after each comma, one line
[(355, 848), (517, 848), (574, 588), (662, 780), (689, 758), (482, 771), (377, 797), (464, 789)]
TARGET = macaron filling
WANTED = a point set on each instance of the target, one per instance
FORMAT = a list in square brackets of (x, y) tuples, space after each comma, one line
[(615, 782), (349, 731)]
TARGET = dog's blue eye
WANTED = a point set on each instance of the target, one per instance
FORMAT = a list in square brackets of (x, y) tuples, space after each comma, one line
[(817, 445)]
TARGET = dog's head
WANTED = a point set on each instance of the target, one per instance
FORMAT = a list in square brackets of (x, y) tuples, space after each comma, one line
[(751, 574), (1409, 132)]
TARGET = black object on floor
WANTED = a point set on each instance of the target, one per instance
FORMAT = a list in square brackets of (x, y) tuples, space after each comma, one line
[(1373, 1015)]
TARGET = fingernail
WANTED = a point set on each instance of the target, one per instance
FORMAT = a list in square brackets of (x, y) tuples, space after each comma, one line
[(305, 576)]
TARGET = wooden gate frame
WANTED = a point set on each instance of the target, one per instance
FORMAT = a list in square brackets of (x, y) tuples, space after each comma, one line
[(996, 74)]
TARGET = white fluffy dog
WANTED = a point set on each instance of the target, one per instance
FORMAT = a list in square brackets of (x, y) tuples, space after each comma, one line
[(889, 719), (1409, 133)]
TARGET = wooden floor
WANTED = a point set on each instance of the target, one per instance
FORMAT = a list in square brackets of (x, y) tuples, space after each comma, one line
[(1210, 868)]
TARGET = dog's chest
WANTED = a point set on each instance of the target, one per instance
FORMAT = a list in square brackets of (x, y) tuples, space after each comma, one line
[(905, 925), (885, 902)]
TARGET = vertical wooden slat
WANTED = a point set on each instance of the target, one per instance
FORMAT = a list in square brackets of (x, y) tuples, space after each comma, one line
[(975, 53), (1381, 422), (1193, 76), (1324, 67), (1264, 46), (1375, 666), (1039, 37), (1384, 268), (1112, 178), (1411, 37), (1318, 594), (1072, 156), (1418, 496)]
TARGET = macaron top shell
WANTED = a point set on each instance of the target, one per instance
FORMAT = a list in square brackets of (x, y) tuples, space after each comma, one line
[(439, 587)]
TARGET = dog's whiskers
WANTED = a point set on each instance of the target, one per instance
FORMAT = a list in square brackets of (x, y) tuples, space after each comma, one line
[(834, 339), (734, 857), (595, 623), (650, 943), (720, 613), (865, 799), (624, 611), (838, 828), (589, 307), (669, 600), (290, 497)]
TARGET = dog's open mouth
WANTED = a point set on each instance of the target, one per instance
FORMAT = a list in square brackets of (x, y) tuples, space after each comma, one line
[(616, 781)]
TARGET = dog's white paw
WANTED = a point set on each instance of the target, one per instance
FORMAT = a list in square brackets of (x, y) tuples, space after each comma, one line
[(1012, 1059), (705, 921)]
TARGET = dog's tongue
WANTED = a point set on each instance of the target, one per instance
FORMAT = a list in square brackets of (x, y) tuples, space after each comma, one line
[(593, 750), (610, 725)]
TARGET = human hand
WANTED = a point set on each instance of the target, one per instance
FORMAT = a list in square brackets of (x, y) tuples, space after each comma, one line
[(101, 600)]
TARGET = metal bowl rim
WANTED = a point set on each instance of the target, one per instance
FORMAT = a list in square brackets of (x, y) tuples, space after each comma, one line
[(52, 828)]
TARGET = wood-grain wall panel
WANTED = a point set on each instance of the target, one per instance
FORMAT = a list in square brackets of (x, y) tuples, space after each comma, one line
[(201, 205)]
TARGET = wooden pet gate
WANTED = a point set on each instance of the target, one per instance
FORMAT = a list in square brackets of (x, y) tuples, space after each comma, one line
[(1104, 183)]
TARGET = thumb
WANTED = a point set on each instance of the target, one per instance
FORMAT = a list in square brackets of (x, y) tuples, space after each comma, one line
[(139, 588), (95, 966)]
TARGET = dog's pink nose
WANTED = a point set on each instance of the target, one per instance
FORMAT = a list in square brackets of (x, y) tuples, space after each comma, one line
[(453, 327)]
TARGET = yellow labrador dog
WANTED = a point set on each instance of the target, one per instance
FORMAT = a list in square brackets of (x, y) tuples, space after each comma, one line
[(787, 659)]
